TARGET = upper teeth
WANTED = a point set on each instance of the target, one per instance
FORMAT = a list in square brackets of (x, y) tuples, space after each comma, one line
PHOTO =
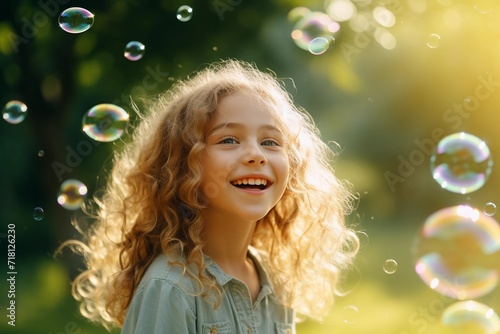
[(250, 181)]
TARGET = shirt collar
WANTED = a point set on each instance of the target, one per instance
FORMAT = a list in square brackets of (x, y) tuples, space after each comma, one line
[(222, 278)]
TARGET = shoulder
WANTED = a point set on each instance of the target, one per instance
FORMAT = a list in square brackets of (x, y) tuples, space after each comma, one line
[(161, 303), (163, 277)]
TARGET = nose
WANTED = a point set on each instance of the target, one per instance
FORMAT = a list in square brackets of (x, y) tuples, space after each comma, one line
[(253, 154)]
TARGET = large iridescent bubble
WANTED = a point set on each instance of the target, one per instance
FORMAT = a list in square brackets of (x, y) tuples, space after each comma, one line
[(76, 20), (312, 26), (470, 317), (105, 122), (461, 163), (458, 252)]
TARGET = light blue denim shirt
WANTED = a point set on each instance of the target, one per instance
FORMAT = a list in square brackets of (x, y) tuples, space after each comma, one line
[(161, 304)]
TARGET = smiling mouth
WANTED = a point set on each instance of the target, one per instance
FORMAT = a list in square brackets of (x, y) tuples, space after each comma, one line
[(251, 184)]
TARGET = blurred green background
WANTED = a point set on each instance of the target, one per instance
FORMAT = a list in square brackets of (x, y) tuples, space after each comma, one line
[(387, 85)]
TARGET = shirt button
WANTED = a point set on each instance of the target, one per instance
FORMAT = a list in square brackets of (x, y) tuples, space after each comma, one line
[(213, 330)]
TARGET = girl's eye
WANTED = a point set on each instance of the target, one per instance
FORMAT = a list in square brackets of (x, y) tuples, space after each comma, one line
[(228, 140), (270, 142)]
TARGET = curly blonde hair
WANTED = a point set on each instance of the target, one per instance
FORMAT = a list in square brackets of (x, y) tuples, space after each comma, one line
[(156, 176)]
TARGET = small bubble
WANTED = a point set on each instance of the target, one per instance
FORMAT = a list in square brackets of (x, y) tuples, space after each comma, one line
[(72, 193), (215, 48), (105, 122), (350, 314), (41, 153), (318, 46), (14, 112), (76, 20), (433, 41), (134, 50), (38, 214), (490, 209), (184, 13), (390, 266)]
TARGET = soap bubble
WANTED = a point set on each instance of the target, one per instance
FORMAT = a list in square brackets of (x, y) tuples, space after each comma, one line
[(461, 163), (14, 112), (311, 26), (184, 13), (72, 194), (433, 41), (41, 153), (470, 317), (38, 214), (105, 122), (490, 209), (458, 251), (390, 266), (319, 45), (134, 50), (350, 314), (76, 20)]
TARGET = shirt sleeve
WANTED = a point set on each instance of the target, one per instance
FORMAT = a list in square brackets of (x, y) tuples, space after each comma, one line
[(160, 307)]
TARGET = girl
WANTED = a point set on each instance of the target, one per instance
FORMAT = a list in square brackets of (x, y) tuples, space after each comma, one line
[(222, 215)]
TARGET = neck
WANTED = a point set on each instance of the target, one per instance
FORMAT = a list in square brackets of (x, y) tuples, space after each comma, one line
[(226, 242)]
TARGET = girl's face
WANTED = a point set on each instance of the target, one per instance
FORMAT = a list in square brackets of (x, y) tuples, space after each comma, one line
[(245, 163)]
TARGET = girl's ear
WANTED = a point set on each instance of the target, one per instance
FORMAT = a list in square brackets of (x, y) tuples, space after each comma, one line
[(186, 212)]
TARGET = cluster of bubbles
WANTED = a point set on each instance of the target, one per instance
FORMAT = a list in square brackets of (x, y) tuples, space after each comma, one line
[(316, 31), (76, 20), (457, 250), (313, 31)]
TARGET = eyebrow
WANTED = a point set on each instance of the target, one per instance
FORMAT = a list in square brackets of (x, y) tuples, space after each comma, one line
[(239, 125)]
